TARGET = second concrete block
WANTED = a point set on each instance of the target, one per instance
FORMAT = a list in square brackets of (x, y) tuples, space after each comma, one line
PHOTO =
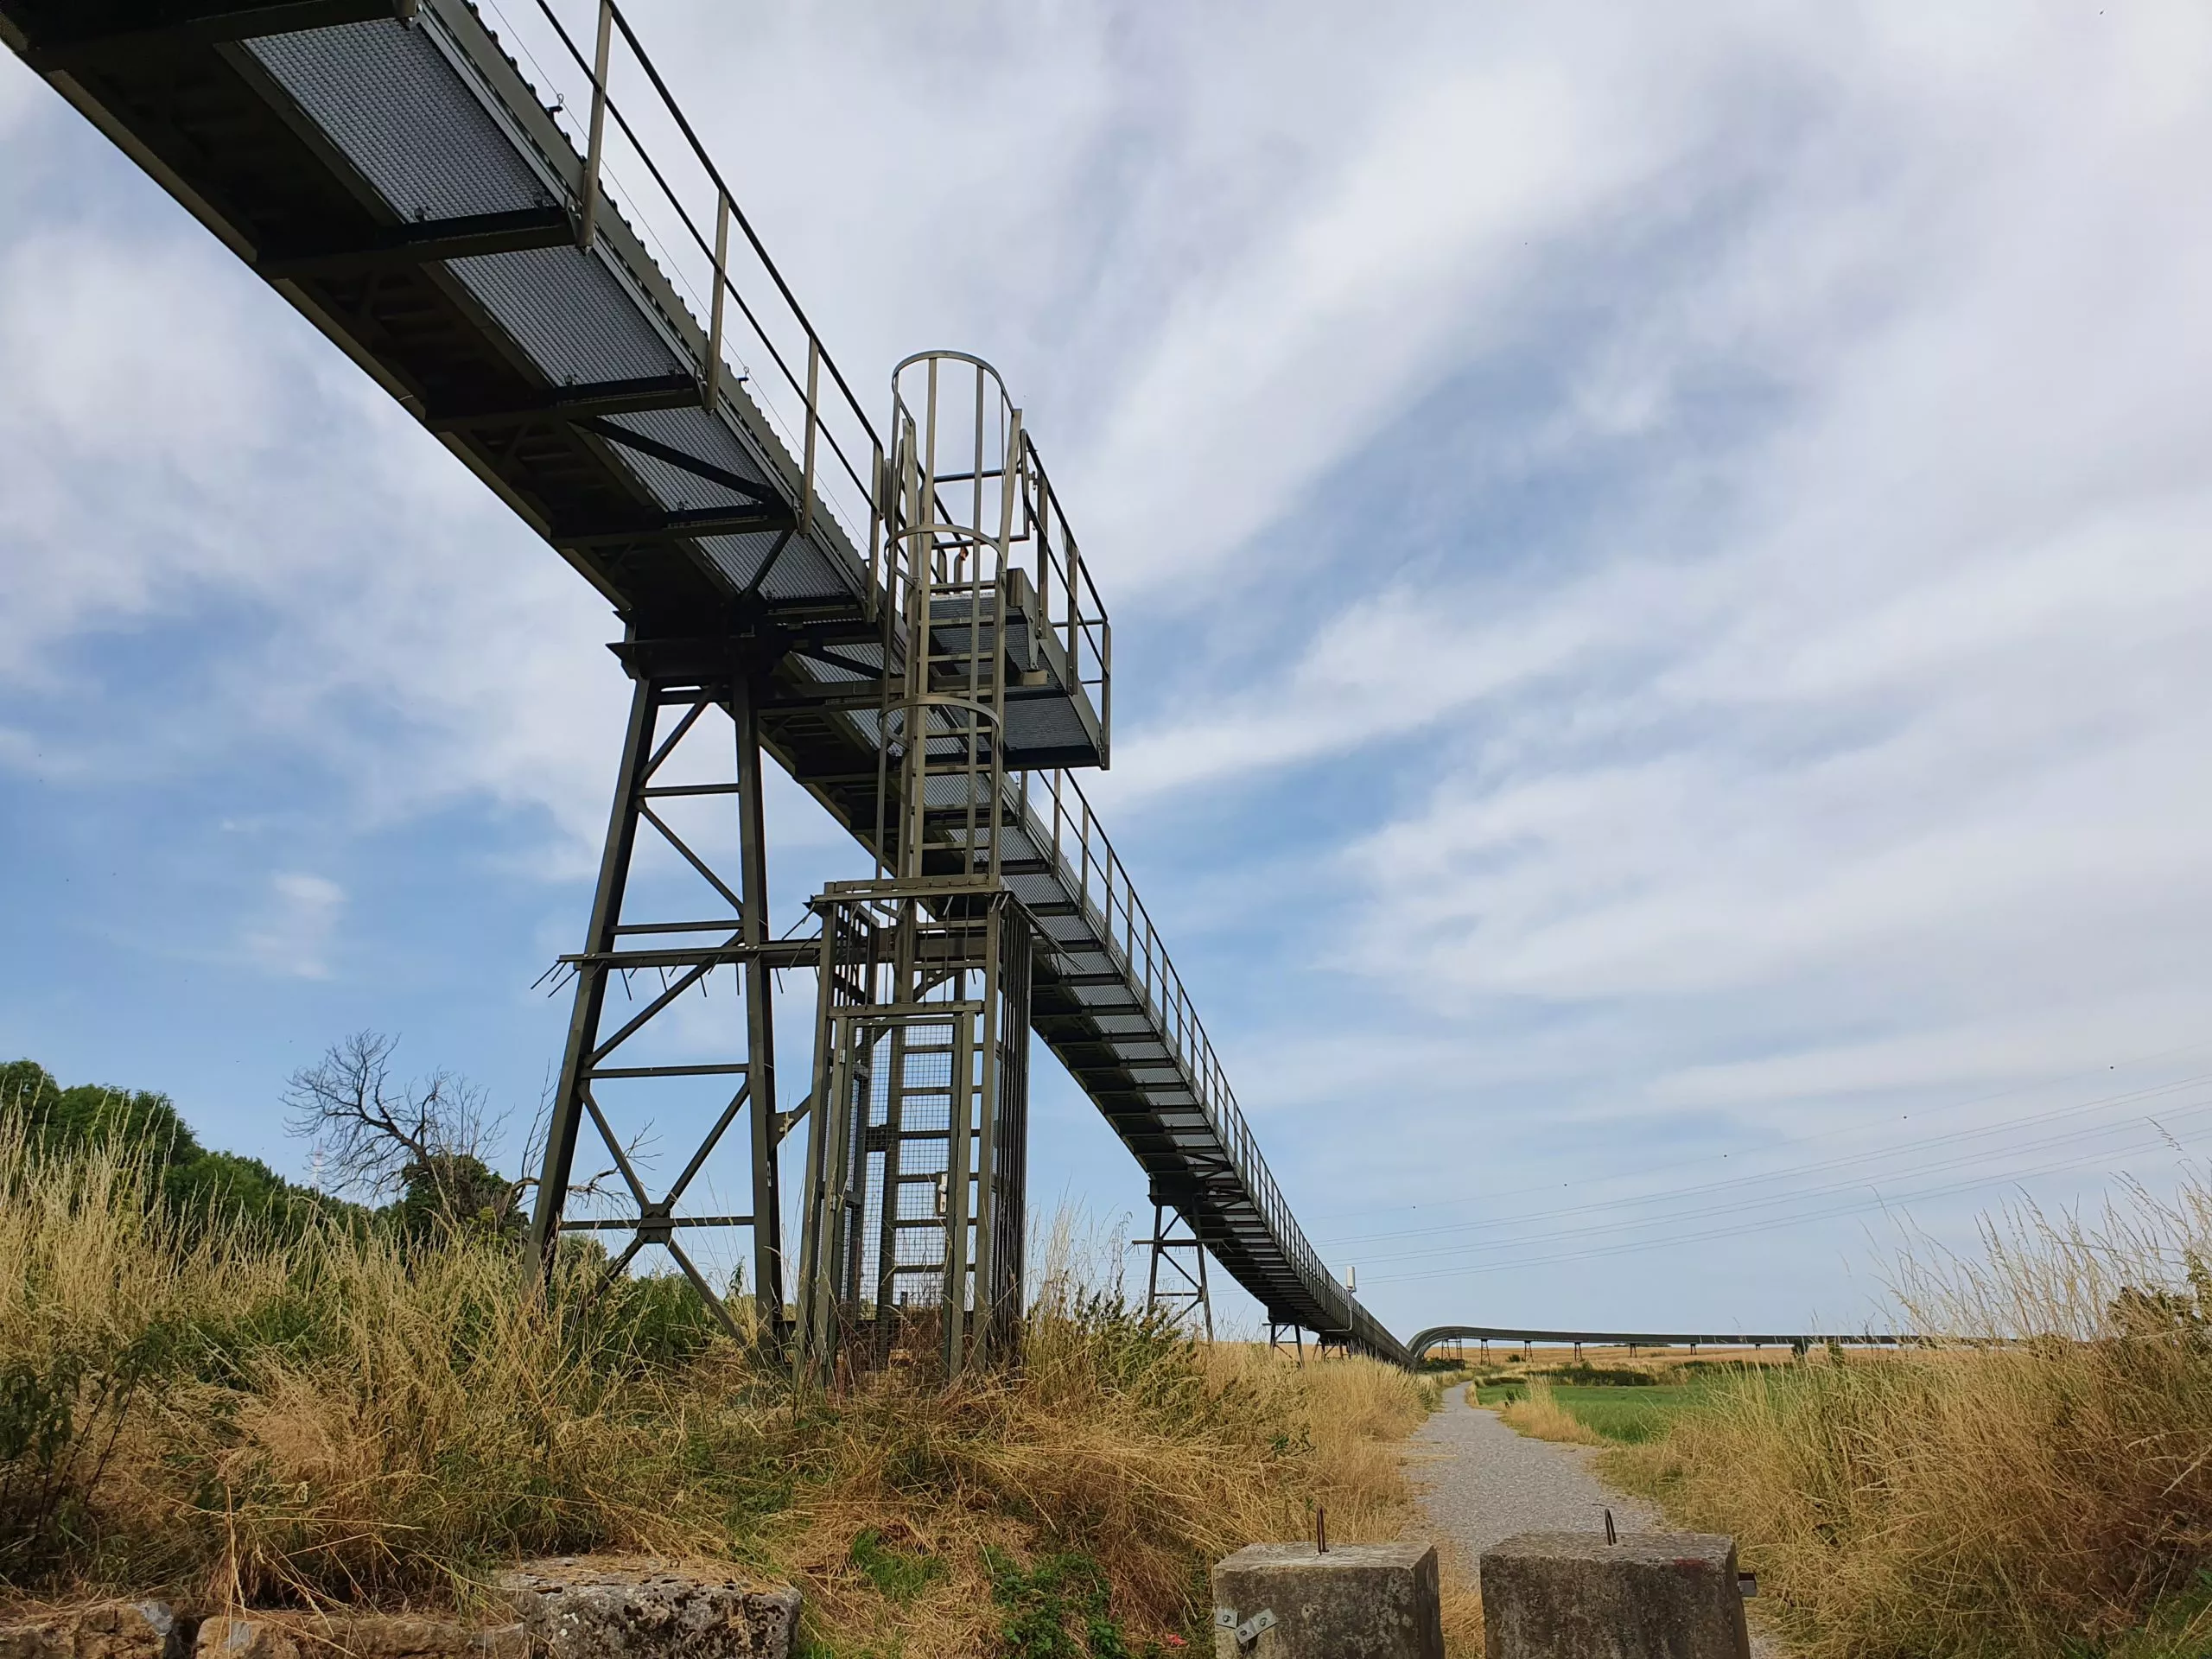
[(1654, 1595)]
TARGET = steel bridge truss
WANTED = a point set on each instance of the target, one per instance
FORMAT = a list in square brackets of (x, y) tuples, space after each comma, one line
[(1457, 1336)]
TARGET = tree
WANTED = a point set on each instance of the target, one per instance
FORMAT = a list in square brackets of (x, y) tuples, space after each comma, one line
[(193, 1182), (423, 1143)]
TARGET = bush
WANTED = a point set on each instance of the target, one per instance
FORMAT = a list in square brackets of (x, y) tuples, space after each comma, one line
[(1595, 1377)]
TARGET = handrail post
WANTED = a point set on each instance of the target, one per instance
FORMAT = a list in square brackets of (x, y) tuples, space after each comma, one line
[(879, 486), (1075, 608), (589, 229), (1044, 559), (713, 392), (813, 388)]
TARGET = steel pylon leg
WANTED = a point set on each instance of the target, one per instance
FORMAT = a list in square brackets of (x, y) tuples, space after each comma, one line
[(1185, 1258), (665, 707)]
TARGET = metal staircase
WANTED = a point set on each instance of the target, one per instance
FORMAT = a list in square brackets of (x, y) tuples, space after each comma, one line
[(589, 322)]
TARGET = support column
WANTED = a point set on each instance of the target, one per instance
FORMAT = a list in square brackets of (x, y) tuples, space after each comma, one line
[(560, 1158), (759, 1024), (1186, 1291), (723, 924)]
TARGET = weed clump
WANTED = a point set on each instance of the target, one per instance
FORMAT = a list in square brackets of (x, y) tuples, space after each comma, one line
[(1537, 1412)]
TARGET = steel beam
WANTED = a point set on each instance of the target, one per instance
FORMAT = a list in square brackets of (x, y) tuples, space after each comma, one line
[(422, 243), (590, 1001), (752, 488), (683, 526), (760, 1028), (571, 403), (117, 30)]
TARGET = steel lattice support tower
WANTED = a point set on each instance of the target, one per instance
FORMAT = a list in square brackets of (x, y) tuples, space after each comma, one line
[(677, 687), (1175, 1272)]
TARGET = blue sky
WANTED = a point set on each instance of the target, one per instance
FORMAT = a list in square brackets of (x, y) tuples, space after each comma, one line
[(1660, 577)]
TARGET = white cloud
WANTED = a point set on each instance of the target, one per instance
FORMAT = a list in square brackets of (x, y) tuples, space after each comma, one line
[(1908, 748), (297, 925), (1829, 743)]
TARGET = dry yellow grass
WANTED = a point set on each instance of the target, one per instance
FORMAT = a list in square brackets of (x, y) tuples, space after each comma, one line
[(2038, 1497), (341, 1417), (1539, 1414)]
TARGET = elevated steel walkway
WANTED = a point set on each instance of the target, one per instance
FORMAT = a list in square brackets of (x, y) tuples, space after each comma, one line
[(1438, 1336), (662, 413)]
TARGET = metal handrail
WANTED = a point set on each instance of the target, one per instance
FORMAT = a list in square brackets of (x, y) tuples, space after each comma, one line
[(1110, 905), (1023, 521), (802, 381), (1068, 594)]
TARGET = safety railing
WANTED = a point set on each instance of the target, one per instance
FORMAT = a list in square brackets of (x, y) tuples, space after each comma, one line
[(1071, 606), (1054, 803), (756, 333), (638, 156), (972, 458)]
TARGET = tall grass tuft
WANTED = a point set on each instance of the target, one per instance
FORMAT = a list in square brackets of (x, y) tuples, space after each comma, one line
[(2036, 1484), (192, 1404), (1539, 1414)]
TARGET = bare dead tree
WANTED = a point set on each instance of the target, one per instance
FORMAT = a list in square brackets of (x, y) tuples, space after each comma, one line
[(432, 1139), (386, 1138)]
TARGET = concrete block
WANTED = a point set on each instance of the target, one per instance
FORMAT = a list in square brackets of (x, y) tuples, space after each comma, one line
[(355, 1635), (106, 1630), (588, 1607), (1358, 1601), (131, 1630), (44, 1636), (1654, 1595)]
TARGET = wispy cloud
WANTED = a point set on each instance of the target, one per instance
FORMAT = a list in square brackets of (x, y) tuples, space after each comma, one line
[(296, 925)]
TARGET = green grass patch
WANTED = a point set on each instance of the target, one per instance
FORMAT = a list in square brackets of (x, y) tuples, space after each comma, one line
[(900, 1572), (1630, 1415), (2179, 1628)]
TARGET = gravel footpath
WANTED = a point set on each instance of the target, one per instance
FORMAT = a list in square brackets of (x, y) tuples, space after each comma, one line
[(1482, 1483)]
